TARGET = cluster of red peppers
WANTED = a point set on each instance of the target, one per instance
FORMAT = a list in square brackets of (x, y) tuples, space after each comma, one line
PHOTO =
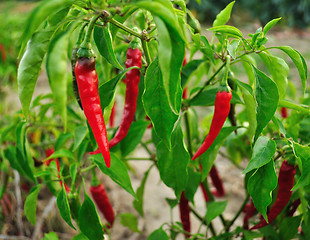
[(87, 93)]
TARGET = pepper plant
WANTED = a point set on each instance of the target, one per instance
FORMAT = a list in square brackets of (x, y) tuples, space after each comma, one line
[(172, 71)]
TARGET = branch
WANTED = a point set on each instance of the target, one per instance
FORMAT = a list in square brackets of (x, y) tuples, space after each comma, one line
[(40, 221), (19, 203)]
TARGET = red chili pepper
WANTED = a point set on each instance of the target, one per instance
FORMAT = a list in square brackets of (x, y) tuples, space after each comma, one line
[(3, 52), (217, 182), (221, 111), (294, 207), (184, 95), (87, 80), (102, 201), (132, 90), (284, 112), (184, 215), (286, 182), (250, 211), (49, 152), (112, 116)]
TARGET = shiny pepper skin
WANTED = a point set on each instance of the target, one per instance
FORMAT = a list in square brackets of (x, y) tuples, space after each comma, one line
[(185, 214), (285, 182), (102, 201), (132, 90), (87, 80), (221, 111)]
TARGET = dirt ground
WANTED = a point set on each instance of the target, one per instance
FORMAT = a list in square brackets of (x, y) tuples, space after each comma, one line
[(156, 208)]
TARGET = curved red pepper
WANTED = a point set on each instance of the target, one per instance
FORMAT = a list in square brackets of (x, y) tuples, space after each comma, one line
[(102, 201), (286, 182), (185, 214), (284, 112), (112, 116), (87, 80), (221, 111), (217, 182), (132, 90)]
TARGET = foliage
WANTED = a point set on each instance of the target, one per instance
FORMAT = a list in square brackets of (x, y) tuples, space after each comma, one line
[(254, 133)]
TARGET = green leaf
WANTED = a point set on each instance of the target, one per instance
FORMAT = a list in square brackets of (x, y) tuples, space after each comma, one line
[(30, 207), (21, 157), (21, 136), (172, 164), (134, 136), (39, 14), (226, 29), (156, 103), (250, 106), (233, 47), (299, 62), (302, 152), (188, 69), (79, 135), (208, 157), (171, 52), (63, 206), (50, 236), (260, 186), (10, 155), (172, 202), (56, 68), (138, 202), (30, 66), (270, 24), (164, 10), (117, 172), (214, 209), (61, 153), (89, 221), (107, 90), (61, 140), (263, 151), (223, 17), (73, 173), (288, 104), (267, 98), (103, 40), (129, 220), (279, 71), (192, 184), (170, 55), (289, 227), (158, 234), (80, 236)]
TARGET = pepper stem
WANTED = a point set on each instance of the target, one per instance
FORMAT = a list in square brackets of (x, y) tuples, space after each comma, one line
[(85, 48), (94, 180), (224, 82), (81, 34)]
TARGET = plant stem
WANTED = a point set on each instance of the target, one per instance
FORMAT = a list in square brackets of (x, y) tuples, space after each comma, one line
[(124, 27), (146, 51), (88, 168), (211, 197), (209, 81), (237, 214), (188, 133), (210, 225)]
